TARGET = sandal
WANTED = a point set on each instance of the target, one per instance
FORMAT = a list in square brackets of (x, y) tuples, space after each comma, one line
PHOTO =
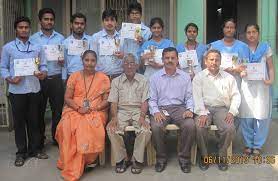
[(122, 166), (247, 151), (136, 167), (19, 161), (256, 152)]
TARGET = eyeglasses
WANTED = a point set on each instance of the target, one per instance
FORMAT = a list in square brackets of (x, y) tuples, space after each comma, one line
[(135, 13), (129, 63), (23, 51)]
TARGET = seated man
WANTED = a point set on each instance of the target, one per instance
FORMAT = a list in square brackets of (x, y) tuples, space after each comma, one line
[(128, 97), (171, 101), (217, 100)]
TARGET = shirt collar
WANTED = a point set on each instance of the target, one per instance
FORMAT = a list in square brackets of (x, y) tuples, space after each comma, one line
[(136, 77), (207, 73), (163, 72), (104, 33), (54, 33), (84, 37), (18, 42)]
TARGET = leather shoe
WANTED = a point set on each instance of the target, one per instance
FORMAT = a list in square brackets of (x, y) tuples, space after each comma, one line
[(159, 167), (185, 166), (222, 166), (41, 155), (202, 165)]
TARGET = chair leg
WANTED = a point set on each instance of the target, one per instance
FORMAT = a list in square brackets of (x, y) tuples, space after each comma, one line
[(113, 163), (151, 154), (193, 153), (230, 150), (102, 158)]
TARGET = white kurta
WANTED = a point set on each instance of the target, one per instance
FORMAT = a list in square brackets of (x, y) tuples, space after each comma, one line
[(255, 96)]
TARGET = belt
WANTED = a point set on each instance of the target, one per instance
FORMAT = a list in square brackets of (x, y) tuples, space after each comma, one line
[(111, 77), (54, 76)]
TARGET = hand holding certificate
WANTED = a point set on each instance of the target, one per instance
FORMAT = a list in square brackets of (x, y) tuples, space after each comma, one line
[(188, 59), (130, 31), (255, 71), (77, 47)]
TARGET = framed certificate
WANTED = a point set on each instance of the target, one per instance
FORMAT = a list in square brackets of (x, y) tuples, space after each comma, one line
[(255, 71), (107, 47), (188, 55), (157, 55), (77, 47), (25, 67), (53, 52), (130, 31)]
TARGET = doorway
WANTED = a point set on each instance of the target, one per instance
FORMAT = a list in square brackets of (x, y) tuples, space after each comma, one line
[(242, 11)]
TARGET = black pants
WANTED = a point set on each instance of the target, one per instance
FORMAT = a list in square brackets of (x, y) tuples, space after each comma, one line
[(25, 110), (53, 89)]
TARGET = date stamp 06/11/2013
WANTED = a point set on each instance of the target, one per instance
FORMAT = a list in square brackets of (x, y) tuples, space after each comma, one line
[(240, 159)]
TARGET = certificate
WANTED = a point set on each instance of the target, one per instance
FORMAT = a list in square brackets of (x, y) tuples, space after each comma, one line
[(228, 60), (53, 52), (107, 47), (255, 71), (157, 55), (188, 55), (77, 47), (25, 67), (130, 31)]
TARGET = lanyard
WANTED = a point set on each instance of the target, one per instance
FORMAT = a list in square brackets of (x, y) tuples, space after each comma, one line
[(86, 92)]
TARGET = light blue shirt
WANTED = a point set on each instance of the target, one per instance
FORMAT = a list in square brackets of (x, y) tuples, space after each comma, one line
[(239, 48), (16, 49), (108, 64), (164, 43), (131, 46), (200, 50), (170, 90), (54, 39), (73, 63)]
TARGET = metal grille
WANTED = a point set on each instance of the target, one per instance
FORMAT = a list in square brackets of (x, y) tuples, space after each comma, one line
[(121, 8), (11, 10), (4, 113)]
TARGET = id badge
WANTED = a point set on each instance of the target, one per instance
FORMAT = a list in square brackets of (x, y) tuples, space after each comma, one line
[(86, 103)]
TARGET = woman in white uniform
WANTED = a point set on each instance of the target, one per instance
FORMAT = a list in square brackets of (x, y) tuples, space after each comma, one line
[(255, 109)]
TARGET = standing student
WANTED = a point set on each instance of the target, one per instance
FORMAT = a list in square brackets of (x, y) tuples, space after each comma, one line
[(158, 42), (191, 45), (106, 44), (24, 91), (75, 44), (52, 87), (255, 109)]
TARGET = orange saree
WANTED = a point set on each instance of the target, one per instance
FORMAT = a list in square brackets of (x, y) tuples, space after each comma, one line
[(81, 137)]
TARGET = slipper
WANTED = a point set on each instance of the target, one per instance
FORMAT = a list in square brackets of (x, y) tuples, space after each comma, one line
[(19, 161), (247, 151), (256, 152), (136, 167), (122, 166)]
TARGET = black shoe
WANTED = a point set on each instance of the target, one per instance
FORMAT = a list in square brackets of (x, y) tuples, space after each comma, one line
[(185, 166), (159, 167), (19, 161), (202, 165), (222, 166), (41, 155)]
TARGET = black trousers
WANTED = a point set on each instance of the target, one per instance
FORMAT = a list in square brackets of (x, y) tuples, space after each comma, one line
[(25, 110), (52, 89)]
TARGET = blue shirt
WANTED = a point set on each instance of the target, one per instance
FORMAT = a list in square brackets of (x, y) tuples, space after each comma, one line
[(239, 49), (170, 90), (164, 43), (108, 64), (54, 39), (16, 49), (200, 49), (131, 46), (73, 63)]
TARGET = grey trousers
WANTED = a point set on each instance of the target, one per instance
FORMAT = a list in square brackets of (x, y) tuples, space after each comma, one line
[(187, 131), (226, 132)]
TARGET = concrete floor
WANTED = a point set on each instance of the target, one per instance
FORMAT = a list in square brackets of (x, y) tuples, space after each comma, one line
[(45, 170)]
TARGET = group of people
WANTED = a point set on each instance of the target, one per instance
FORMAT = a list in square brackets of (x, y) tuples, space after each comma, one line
[(143, 82)]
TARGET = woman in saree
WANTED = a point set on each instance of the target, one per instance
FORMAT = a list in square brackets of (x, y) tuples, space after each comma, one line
[(80, 133)]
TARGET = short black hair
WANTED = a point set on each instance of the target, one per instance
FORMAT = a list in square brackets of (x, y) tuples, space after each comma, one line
[(169, 49), (109, 13), (192, 25), (157, 20), (134, 6), (21, 19), (256, 26), (77, 15), (212, 51), (45, 11), (87, 52), (229, 20)]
